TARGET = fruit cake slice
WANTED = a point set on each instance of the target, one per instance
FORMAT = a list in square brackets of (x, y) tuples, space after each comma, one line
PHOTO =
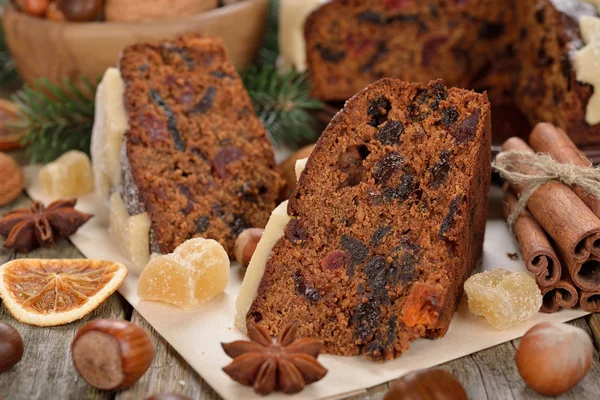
[(195, 156), (387, 221), (469, 44)]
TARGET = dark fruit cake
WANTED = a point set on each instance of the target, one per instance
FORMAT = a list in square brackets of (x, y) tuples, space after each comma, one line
[(195, 157), (520, 52), (387, 221)]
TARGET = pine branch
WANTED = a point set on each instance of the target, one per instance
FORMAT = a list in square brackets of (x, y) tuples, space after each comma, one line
[(270, 49), (282, 101), (57, 118)]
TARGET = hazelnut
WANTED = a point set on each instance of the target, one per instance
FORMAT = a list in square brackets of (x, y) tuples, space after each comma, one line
[(430, 384), (112, 354), (287, 169), (12, 184), (11, 346), (168, 396), (10, 135), (554, 357), (80, 10), (245, 245), (34, 7)]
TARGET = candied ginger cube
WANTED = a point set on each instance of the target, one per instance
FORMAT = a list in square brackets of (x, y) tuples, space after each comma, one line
[(70, 175), (131, 232), (504, 298), (197, 271)]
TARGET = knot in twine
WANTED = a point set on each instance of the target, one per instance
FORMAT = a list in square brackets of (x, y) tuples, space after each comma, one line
[(544, 169)]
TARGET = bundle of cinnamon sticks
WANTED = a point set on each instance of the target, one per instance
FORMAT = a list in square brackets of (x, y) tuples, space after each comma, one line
[(559, 233)]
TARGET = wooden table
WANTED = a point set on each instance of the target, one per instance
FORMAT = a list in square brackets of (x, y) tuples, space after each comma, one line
[(46, 370)]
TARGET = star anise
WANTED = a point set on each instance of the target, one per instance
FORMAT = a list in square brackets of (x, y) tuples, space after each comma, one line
[(27, 229), (267, 364)]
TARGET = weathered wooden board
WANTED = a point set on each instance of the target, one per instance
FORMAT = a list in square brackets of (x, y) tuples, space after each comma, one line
[(46, 371)]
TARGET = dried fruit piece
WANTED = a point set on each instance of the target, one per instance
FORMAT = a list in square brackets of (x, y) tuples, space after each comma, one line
[(172, 128), (56, 292), (380, 51), (194, 273), (70, 175), (223, 158), (206, 101), (504, 298), (387, 167), (303, 289), (295, 232), (335, 260), (407, 185), (378, 111), (331, 55), (390, 133), (439, 171), (466, 131), (491, 30), (430, 50), (422, 305)]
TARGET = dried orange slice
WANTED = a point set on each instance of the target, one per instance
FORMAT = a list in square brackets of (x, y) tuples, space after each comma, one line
[(56, 292)]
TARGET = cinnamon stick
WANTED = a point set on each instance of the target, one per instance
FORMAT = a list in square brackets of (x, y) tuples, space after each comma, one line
[(573, 226), (590, 301), (547, 138), (561, 295), (540, 258)]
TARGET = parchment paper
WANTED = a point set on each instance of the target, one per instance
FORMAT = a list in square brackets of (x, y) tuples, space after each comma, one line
[(197, 334)]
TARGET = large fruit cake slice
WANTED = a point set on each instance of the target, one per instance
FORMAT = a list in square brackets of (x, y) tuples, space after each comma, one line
[(195, 156), (521, 51), (387, 221)]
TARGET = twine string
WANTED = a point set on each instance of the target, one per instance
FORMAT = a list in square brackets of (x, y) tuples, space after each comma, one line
[(544, 170)]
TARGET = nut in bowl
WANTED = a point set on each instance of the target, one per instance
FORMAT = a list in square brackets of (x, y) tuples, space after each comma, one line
[(58, 49)]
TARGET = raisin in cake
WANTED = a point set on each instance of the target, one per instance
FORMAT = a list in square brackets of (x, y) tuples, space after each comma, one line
[(521, 52), (387, 221), (195, 157)]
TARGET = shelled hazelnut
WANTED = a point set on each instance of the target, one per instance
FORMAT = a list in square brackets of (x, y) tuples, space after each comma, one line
[(11, 346), (430, 384), (112, 354), (553, 357), (245, 245)]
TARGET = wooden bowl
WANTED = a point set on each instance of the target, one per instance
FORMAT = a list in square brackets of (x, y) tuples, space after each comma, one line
[(51, 49)]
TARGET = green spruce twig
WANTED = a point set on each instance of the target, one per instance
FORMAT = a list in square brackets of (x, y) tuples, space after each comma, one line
[(282, 101), (57, 118), (281, 97)]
